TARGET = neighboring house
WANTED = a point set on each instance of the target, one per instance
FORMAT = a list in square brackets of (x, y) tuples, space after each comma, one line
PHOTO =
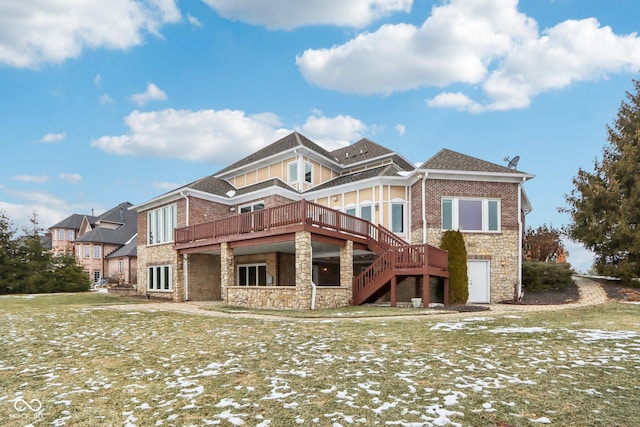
[(102, 244), (294, 226), (65, 232)]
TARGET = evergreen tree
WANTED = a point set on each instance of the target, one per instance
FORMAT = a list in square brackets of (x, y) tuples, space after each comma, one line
[(8, 263), (605, 204), (453, 241)]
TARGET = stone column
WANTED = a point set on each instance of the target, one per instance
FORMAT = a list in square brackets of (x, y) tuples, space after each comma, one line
[(303, 269), (178, 279), (227, 274), (346, 269)]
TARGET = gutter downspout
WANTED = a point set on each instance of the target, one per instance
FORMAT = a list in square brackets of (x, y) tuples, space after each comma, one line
[(520, 233), (424, 208), (185, 257)]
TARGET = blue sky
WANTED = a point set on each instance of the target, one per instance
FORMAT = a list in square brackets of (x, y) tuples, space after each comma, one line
[(105, 102)]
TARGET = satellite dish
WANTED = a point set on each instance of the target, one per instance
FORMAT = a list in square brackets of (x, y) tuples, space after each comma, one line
[(512, 163), (231, 193)]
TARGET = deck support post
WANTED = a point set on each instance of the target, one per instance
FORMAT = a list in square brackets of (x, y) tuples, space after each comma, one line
[(446, 291), (227, 270), (394, 283), (425, 291)]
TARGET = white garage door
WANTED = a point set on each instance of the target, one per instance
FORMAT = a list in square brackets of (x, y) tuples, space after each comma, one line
[(479, 284)]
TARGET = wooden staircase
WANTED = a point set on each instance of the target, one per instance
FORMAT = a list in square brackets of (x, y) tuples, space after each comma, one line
[(400, 260)]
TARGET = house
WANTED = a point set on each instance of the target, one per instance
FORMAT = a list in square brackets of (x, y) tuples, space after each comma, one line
[(64, 233), (103, 245), (294, 226)]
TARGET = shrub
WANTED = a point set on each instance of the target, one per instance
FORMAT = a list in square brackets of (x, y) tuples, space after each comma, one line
[(453, 241), (540, 276)]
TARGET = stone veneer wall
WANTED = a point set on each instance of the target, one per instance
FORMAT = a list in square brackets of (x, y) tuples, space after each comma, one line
[(500, 249), (149, 256), (204, 277), (267, 297), (296, 297)]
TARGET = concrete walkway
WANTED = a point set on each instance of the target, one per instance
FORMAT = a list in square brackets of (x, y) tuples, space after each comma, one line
[(590, 291)]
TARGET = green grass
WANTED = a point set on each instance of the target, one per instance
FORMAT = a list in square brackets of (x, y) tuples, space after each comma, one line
[(90, 365), (39, 301), (337, 313)]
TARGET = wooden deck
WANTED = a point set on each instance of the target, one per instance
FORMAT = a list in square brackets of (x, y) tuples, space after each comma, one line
[(396, 257)]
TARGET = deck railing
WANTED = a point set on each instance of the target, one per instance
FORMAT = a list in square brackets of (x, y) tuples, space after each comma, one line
[(397, 258), (300, 212)]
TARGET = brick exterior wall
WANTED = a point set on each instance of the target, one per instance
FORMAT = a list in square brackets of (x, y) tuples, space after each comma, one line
[(501, 249)]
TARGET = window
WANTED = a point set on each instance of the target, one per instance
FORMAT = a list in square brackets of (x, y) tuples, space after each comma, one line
[(161, 223), (350, 211), (69, 235), (160, 278), (86, 250), (96, 276), (121, 266), (468, 214), (397, 217), (60, 234), (293, 172), (252, 275), (365, 212), (308, 173), (96, 252), (252, 208)]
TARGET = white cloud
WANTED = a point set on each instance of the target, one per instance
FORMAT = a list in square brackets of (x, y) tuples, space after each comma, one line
[(105, 99), (332, 132), (38, 179), (152, 93), (53, 137), (401, 129), (193, 20), (456, 100), (218, 137), (97, 80), (289, 14), (33, 32), (204, 135), (70, 178), (486, 44)]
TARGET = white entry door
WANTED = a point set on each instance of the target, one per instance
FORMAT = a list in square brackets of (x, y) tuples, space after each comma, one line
[(479, 282)]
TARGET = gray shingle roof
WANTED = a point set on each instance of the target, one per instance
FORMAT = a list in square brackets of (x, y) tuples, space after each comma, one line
[(290, 141), (454, 161), (74, 221), (119, 236), (128, 250), (362, 150)]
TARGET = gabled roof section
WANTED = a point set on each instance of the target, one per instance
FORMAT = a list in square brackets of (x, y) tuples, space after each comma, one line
[(116, 214), (290, 141), (381, 171), (364, 150), (128, 250), (213, 185), (118, 236), (74, 221), (453, 161)]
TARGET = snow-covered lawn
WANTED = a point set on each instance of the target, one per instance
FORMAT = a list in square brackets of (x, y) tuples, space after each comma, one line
[(91, 366)]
